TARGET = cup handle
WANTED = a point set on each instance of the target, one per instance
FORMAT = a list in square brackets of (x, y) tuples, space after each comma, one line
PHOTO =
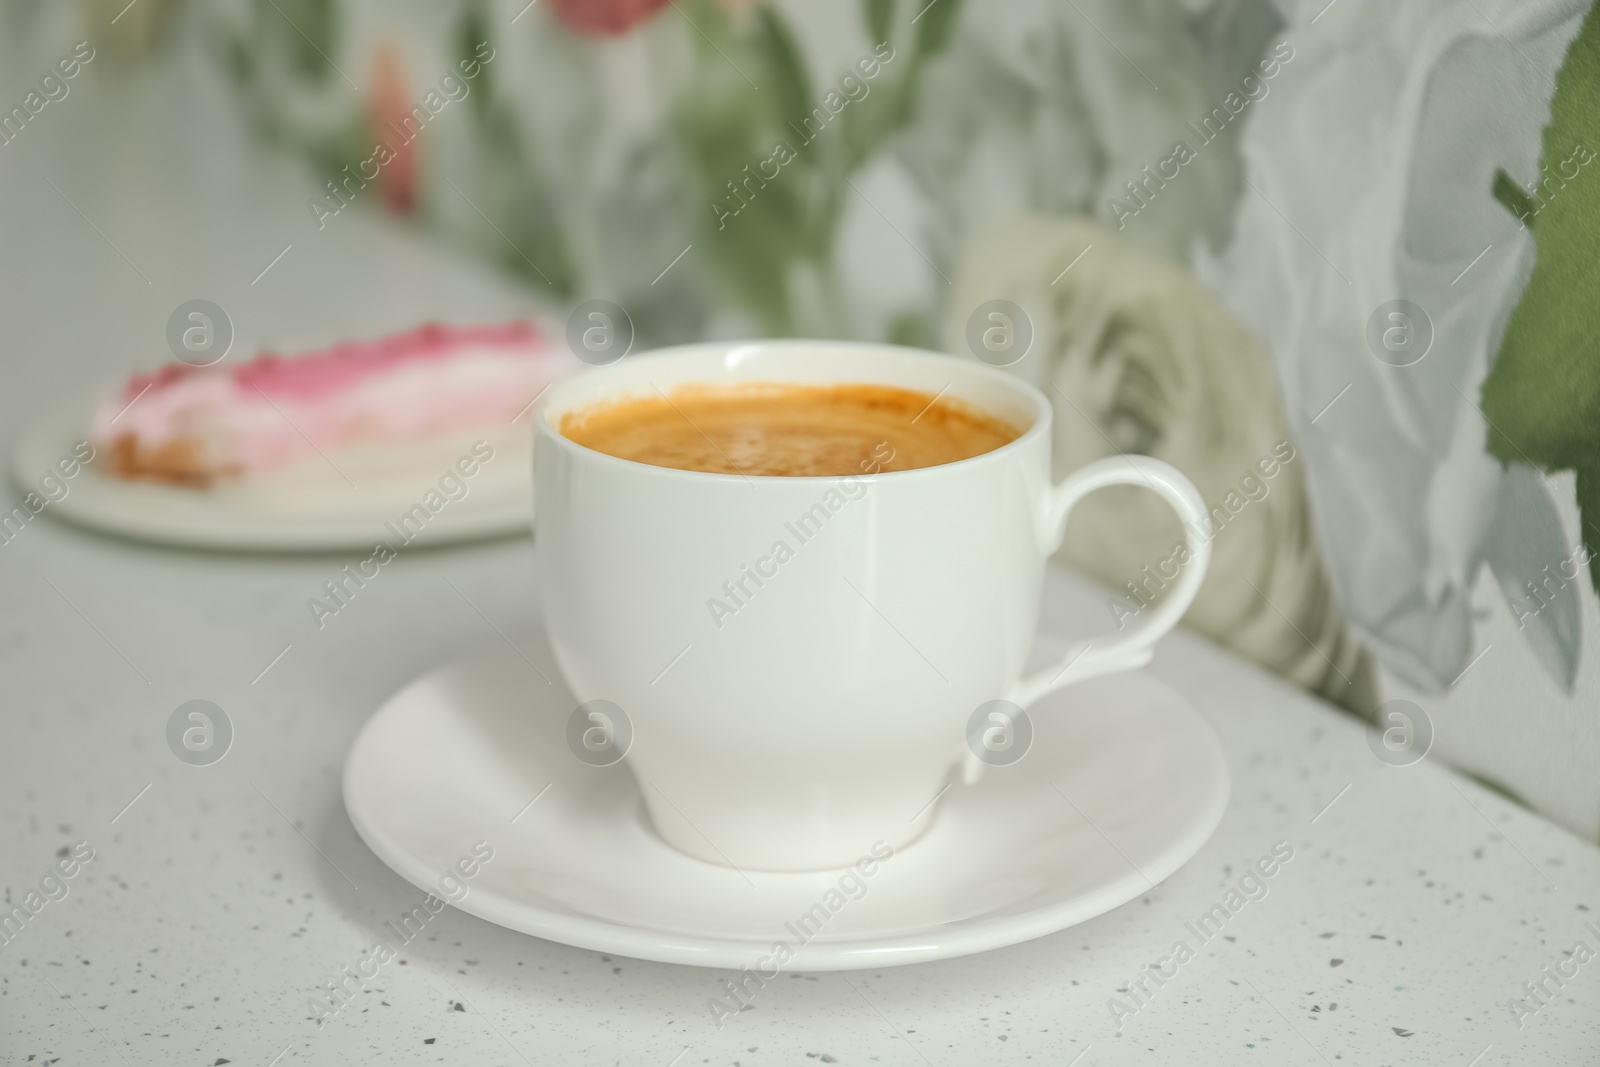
[(1129, 649)]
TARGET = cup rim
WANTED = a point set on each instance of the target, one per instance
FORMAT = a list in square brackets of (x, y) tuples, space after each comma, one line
[(1025, 390)]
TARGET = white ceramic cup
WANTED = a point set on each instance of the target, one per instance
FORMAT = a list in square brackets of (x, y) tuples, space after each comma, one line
[(826, 702)]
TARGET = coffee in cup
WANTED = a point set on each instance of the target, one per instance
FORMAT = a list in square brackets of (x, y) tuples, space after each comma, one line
[(800, 645), (788, 429)]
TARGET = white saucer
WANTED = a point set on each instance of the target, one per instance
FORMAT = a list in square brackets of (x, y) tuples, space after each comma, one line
[(310, 506), (1124, 783)]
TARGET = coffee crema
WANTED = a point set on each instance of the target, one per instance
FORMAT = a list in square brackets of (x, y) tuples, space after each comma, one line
[(788, 429)]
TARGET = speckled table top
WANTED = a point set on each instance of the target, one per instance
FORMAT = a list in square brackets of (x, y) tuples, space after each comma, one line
[(220, 898), (1417, 908)]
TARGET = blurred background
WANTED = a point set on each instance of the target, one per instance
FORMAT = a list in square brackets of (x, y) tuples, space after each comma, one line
[(1327, 258)]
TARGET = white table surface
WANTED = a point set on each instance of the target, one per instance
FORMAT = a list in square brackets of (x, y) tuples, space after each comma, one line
[(1416, 906)]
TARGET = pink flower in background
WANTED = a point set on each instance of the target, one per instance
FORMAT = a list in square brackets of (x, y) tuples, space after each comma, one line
[(605, 17), (387, 108)]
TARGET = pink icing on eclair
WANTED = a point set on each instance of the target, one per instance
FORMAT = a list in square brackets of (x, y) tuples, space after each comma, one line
[(199, 425)]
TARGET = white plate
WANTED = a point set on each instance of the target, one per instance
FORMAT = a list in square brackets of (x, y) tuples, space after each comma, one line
[(307, 506), (1124, 783)]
